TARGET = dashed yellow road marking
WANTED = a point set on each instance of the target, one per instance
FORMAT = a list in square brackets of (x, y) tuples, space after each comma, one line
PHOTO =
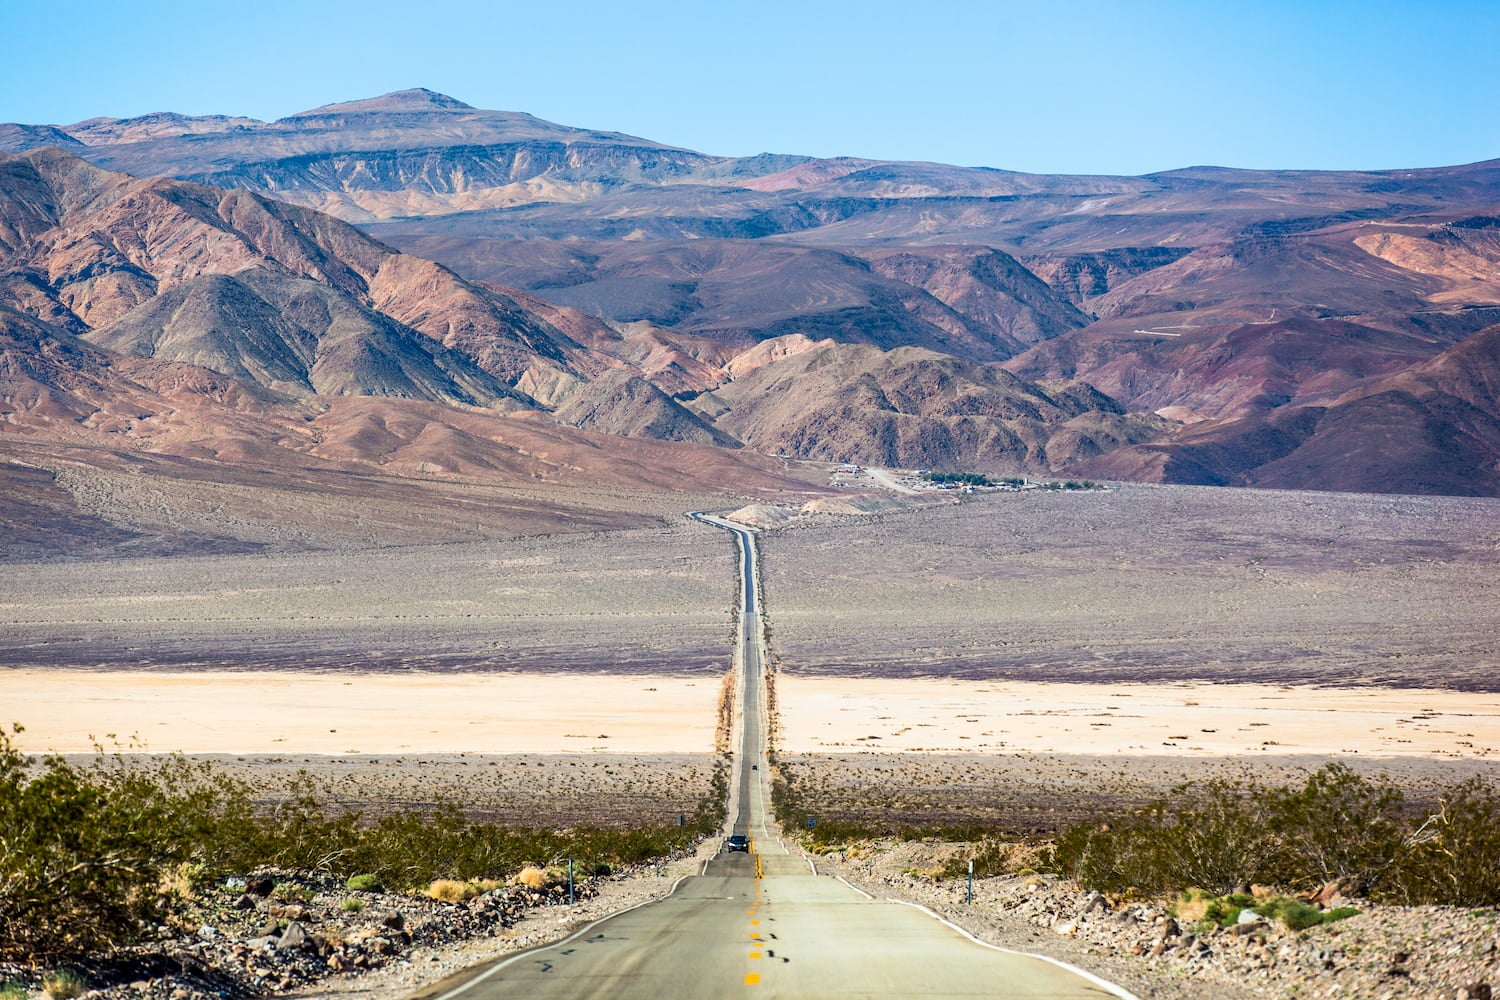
[(752, 978), (755, 954), (755, 923)]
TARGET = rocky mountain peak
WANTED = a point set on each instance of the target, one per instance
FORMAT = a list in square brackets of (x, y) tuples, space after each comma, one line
[(414, 99)]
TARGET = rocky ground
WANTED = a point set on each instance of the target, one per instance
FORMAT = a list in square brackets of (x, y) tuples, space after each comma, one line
[(302, 934), (1383, 952)]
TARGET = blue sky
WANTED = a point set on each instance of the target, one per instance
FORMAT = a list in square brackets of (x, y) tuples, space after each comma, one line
[(1069, 86)]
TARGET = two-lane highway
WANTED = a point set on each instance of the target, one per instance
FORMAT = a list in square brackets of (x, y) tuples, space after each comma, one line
[(749, 799), (764, 924)]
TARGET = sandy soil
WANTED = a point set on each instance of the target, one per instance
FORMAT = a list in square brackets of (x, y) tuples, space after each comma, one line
[(307, 713), (1182, 719)]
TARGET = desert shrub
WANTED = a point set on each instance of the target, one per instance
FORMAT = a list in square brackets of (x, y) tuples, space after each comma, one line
[(286, 892), (91, 855), (1103, 857), (447, 890), (364, 883), (353, 905), (13, 991), (1299, 915), (1217, 840), (990, 856), (1337, 826), (1214, 836), (80, 865), (64, 984), (1453, 857), (1205, 909), (540, 879)]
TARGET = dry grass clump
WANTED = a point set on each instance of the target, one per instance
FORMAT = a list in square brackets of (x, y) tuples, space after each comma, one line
[(541, 879), (64, 984), (447, 890)]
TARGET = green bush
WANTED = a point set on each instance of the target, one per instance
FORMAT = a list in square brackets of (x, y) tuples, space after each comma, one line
[(1298, 915), (89, 856), (83, 853), (1209, 837), (1335, 826), (364, 883), (1222, 911), (1453, 857)]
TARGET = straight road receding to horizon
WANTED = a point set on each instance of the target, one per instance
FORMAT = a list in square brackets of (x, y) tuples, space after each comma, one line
[(766, 923)]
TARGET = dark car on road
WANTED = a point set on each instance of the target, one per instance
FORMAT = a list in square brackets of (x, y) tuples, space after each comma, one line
[(737, 842)]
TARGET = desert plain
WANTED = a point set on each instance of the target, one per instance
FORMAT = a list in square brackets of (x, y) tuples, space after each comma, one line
[(1106, 645)]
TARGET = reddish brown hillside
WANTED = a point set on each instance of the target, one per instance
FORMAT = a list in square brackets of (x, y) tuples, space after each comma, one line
[(1434, 428)]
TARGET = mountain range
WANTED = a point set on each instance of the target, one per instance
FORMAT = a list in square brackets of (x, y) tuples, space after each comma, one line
[(1321, 330)]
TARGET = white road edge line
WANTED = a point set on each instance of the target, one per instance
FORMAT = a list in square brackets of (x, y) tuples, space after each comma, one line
[(1104, 984), (810, 864), (487, 973), (856, 888)]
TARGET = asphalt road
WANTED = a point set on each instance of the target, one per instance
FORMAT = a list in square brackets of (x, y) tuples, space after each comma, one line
[(765, 924)]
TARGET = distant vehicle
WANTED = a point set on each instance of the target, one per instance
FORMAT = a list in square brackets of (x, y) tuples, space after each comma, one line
[(755, 767), (737, 842)]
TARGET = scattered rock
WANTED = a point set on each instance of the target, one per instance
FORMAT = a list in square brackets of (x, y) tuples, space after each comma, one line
[(295, 938)]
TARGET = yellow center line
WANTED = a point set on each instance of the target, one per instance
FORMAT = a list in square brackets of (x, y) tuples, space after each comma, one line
[(752, 978), (755, 954)]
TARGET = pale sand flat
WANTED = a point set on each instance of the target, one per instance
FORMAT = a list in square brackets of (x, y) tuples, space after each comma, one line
[(822, 714), (332, 713)]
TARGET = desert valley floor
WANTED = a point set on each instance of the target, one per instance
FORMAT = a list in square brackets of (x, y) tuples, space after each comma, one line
[(1012, 642)]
